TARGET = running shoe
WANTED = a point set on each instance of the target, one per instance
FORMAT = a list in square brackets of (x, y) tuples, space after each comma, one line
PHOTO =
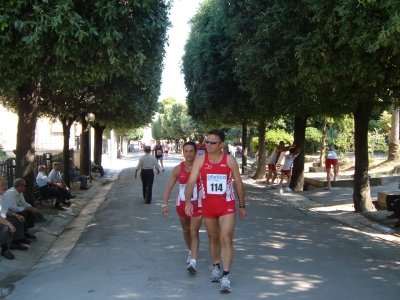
[(189, 257), (288, 189), (268, 187), (225, 284), (328, 187), (273, 187), (280, 191), (192, 266), (215, 274), (334, 178)]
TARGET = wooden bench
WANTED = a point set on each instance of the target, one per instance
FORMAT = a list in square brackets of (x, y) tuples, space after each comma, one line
[(39, 197)]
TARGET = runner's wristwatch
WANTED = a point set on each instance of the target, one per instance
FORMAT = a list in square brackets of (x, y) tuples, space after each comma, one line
[(242, 206)]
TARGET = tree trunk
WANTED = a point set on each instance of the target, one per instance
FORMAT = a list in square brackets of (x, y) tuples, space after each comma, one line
[(323, 143), (260, 172), (98, 143), (362, 193), (297, 181), (244, 145), (85, 151), (25, 151), (66, 124), (393, 154)]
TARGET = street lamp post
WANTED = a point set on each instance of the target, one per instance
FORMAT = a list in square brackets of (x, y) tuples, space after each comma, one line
[(90, 117)]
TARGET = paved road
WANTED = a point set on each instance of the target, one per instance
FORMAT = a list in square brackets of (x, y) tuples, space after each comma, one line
[(129, 251)]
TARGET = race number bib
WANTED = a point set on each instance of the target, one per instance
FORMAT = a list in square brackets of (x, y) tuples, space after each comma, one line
[(159, 152), (182, 192), (216, 184), (201, 152)]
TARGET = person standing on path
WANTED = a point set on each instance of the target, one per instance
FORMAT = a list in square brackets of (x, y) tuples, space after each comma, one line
[(158, 153), (201, 146), (273, 160), (287, 167), (190, 225), (218, 172), (146, 165), (331, 160)]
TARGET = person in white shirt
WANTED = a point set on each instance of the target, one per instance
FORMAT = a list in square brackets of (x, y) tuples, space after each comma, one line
[(331, 160), (55, 178), (287, 167), (13, 199), (146, 165), (11, 228)]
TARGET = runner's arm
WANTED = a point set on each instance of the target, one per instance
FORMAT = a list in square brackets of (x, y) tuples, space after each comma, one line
[(232, 163), (168, 190)]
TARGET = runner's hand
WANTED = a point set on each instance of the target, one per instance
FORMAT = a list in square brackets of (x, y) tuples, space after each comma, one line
[(189, 209), (165, 212), (242, 213)]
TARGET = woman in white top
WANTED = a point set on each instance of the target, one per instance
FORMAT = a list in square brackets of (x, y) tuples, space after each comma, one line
[(331, 160)]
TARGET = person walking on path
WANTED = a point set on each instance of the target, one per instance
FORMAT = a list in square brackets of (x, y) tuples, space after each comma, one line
[(287, 167), (201, 146), (273, 160), (146, 165), (190, 225), (158, 153), (218, 172), (331, 160)]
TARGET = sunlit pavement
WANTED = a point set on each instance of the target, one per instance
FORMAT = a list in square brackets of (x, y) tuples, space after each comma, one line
[(111, 245)]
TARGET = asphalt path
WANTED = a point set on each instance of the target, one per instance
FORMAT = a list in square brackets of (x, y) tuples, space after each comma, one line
[(130, 251)]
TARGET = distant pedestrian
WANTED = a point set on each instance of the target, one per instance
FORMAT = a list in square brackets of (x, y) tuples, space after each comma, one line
[(287, 167), (146, 165), (273, 160), (158, 153), (166, 149), (331, 160), (201, 146)]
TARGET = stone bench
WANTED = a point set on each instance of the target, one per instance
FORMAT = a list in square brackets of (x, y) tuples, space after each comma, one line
[(382, 198)]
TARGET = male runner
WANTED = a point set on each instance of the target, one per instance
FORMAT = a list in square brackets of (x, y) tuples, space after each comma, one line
[(191, 225), (201, 146), (158, 153), (218, 171)]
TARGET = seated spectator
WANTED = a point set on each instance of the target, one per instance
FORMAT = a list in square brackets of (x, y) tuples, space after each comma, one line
[(390, 205), (396, 208), (11, 228), (97, 168), (13, 199), (48, 188), (74, 175)]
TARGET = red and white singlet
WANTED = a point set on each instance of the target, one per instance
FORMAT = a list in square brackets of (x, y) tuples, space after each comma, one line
[(201, 149), (216, 180), (183, 177)]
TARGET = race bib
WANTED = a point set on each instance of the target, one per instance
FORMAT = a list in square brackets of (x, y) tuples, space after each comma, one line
[(201, 152), (182, 192), (216, 184), (159, 152)]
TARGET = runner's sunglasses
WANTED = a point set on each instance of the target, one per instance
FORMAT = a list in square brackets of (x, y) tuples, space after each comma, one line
[(212, 142)]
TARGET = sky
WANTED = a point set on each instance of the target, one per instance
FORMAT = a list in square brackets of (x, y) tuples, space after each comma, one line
[(172, 80)]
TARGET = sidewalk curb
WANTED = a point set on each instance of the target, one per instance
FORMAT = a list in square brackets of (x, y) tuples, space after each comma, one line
[(56, 239)]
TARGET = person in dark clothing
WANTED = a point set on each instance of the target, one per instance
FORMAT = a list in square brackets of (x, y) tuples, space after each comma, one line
[(146, 165)]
